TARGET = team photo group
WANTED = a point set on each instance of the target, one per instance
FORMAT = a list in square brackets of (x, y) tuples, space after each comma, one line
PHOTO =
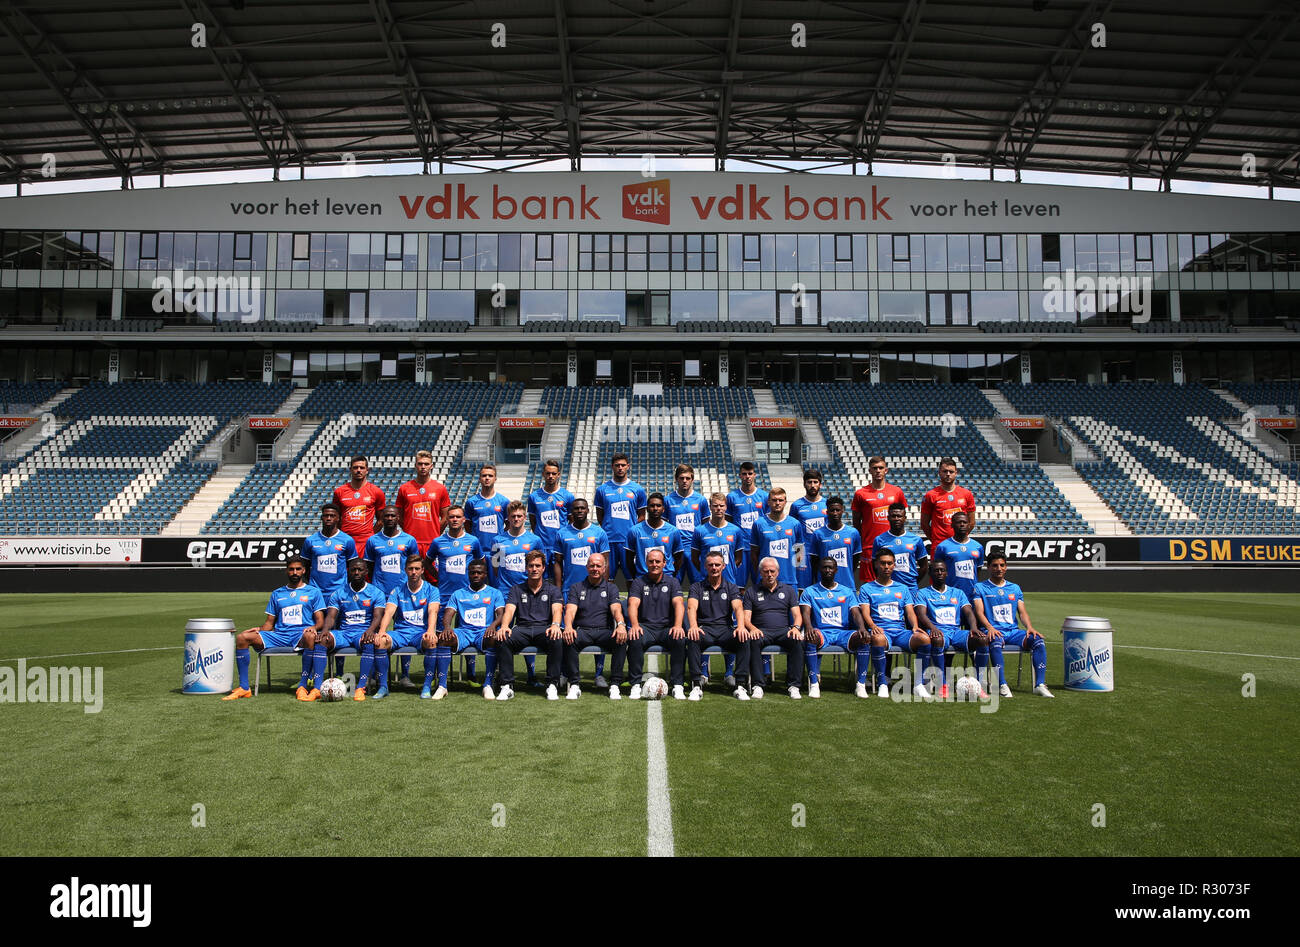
[(747, 574)]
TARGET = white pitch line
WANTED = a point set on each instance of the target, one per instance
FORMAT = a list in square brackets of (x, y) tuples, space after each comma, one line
[(659, 813), (86, 654), (1231, 654)]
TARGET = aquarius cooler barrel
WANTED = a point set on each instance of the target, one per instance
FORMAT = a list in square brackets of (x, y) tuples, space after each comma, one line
[(209, 656), (1089, 654)]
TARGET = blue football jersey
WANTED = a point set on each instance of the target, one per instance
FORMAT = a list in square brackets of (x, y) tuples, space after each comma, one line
[(575, 546), (508, 554), (475, 610), (908, 549), (841, 545), (963, 561), (327, 559), (485, 517), (388, 556), (619, 504), (812, 513), (295, 609), (415, 608), (550, 514), (831, 608), (942, 608), (357, 609), (643, 537), (744, 509), (1001, 604), (784, 542), (888, 604), (728, 539), (454, 554), (686, 513)]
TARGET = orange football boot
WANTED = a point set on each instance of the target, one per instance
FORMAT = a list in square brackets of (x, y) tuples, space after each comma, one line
[(237, 693)]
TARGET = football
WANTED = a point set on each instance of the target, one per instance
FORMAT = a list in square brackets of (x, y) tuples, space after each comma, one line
[(968, 688), (654, 688), (333, 689)]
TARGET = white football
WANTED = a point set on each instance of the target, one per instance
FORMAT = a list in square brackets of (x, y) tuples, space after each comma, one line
[(968, 688), (333, 689), (654, 688)]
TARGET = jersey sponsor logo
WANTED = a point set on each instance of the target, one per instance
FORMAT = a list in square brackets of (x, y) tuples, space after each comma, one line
[(390, 563), (685, 521), (413, 616), (903, 561), (551, 519), (946, 615), (487, 523), (965, 569), (1003, 613), (291, 615), (476, 616), (889, 610), (354, 616), (456, 565), (579, 555), (329, 563), (620, 509), (830, 615), (779, 549)]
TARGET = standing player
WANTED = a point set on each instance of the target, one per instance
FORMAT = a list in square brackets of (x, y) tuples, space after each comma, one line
[(810, 509), (839, 542), (831, 617), (510, 548), (654, 532), (890, 615), (476, 614), (361, 502), (715, 616), (575, 544), (911, 557), (656, 615), (687, 509), (871, 510), (422, 503), (548, 507), (295, 614), (360, 604), (962, 554), (746, 503), (772, 616), (328, 551), (620, 503), (999, 607), (716, 534), (535, 608), (943, 501), (453, 551), (388, 551), (946, 612), (593, 616), (781, 536), (411, 621), (485, 512)]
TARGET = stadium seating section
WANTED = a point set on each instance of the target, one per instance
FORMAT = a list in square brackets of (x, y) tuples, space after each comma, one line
[(1171, 458)]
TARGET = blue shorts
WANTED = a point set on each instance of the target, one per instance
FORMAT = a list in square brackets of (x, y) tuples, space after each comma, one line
[(348, 637), (407, 637), (1017, 639), (900, 639), (956, 638), (838, 637), (467, 637), (282, 639)]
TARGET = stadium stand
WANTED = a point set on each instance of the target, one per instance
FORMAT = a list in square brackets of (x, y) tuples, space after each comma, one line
[(1283, 395), (913, 426), (23, 396), (387, 423), (427, 325), (1171, 459), (716, 325), (571, 325), (1032, 325), (877, 327), (1195, 326)]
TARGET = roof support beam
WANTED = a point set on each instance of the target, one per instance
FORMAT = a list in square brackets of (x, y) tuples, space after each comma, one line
[(872, 125), (414, 101), (728, 77), (568, 109)]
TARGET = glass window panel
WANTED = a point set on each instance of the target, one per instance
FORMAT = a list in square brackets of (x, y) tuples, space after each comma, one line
[(300, 305), (936, 253)]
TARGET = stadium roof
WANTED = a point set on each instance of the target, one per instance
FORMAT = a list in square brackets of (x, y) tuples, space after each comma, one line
[(1184, 89)]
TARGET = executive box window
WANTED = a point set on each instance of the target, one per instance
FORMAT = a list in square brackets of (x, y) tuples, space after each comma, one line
[(750, 245), (149, 246), (843, 248), (301, 246)]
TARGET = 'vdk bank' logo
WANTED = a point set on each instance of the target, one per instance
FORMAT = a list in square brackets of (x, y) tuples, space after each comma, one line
[(646, 202)]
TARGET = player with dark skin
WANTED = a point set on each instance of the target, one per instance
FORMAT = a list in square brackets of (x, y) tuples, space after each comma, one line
[(477, 574), (358, 576), (898, 526), (827, 571), (579, 510), (654, 515), (296, 577)]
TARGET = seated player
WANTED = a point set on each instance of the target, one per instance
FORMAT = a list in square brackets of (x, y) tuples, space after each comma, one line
[(654, 532), (471, 619), (714, 615), (911, 554), (890, 616), (946, 613), (772, 616), (328, 551), (831, 617), (388, 551), (360, 605), (840, 542), (593, 614), (963, 555), (655, 617), (999, 606), (532, 616), (295, 614), (411, 621)]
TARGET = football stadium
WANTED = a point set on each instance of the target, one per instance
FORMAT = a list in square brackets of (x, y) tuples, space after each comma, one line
[(711, 428)]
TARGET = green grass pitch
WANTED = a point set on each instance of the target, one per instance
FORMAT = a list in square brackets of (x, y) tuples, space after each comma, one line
[(1183, 762)]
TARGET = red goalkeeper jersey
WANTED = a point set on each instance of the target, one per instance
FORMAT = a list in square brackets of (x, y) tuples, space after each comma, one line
[(360, 510), (940, 505), (421, 506)]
